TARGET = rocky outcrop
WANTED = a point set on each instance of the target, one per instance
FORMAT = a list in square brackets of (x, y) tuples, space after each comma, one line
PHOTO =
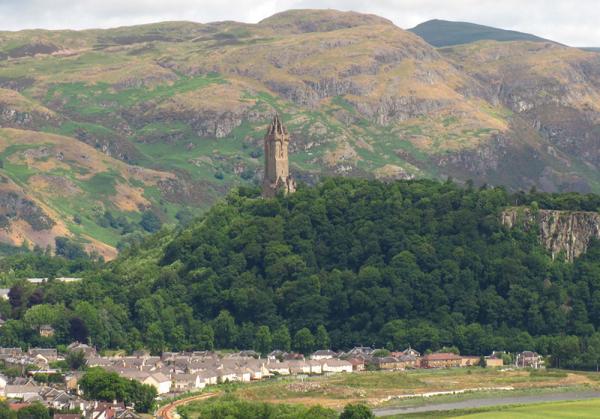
[(13, 206), (567, 232), (11, 116)]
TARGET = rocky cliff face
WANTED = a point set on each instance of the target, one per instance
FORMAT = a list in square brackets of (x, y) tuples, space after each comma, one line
[(568, 232)]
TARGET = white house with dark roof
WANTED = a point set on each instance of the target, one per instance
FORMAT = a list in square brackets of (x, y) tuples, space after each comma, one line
[(323, 354), (336, 365)]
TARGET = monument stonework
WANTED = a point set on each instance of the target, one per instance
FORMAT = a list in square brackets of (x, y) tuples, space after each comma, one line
[(277, 168)]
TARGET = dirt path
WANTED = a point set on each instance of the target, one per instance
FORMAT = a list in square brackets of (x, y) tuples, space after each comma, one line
[(491, 401), (168, 411)]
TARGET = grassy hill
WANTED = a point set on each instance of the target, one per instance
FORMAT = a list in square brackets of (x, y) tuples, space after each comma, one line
[(360, 96), (53, 186), (443, 33)]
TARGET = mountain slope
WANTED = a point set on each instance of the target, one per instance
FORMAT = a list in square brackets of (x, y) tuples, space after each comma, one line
[(53, 186), (360, 96), (443, 33)]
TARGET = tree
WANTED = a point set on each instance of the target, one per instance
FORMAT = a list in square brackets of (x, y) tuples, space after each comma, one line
[(76, 360), (322, 338), (150, 222), (42, 314), (202, 336), (282, 339), (36, 410), (304, 342), (592, 354), (98, 384), (225, 330), (5, 411), (69, 249), (78, 329), (15, 296), (263, 341), (357, 411), (155, 338)]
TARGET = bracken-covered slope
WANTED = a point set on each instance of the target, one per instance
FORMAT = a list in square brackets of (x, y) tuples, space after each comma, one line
[(360, 96), (53, 186)]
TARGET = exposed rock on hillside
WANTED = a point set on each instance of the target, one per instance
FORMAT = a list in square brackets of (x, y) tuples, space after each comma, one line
[(568, 232), (361, 97)]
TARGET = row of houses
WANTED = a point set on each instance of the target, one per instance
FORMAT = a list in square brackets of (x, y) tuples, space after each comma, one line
[(411, 358), (177, 373), (23, 392)]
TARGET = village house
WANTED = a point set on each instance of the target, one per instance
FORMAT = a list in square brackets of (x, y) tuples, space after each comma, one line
[(48, 354), (299, 367), (335, 366), (360, 351), (411, 352), (228, 376), (105, 410), (276, 355), (357, 364), (86, 349), (159, 381), (315, 366), (46, 331), (59, 399), (187, 382), (210, 377), (323, 354), (23, 392), (493, 361), (529, 359), (386, 363), (10, 352), (281, 368), (470, 361), (410, 361), (407, 352), (72, 381), (441, 360)]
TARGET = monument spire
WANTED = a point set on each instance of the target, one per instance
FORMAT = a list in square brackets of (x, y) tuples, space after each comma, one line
[(277, 173)]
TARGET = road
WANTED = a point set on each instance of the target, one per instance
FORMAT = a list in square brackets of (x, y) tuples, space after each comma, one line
[(168, 410), (490, 401)]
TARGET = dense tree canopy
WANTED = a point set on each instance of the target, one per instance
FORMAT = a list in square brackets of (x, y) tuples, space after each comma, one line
[(98, 384), (344, 263)]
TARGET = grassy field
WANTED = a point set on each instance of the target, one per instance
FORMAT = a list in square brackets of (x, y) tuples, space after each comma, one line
[(383, 389), (578, 409)]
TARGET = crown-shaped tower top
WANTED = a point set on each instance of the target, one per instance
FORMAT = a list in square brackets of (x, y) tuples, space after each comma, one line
[(277, 127)]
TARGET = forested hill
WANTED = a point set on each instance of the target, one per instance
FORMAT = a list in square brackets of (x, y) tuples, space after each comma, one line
[(443, 33), (353, 261)]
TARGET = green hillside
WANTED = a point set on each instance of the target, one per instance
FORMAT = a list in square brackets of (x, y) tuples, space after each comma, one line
[(347, 262), (443, 33), (189, 103)]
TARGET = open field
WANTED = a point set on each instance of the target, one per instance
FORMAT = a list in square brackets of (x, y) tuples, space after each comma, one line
[(567, 409), (398, 389)]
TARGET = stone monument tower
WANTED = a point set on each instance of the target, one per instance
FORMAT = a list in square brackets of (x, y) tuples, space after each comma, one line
[(277, 169)]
